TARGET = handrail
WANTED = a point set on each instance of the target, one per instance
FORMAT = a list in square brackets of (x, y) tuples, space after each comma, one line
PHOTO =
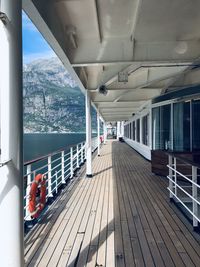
[(183, 159), (51, 154), (176, 178), (57, 170)]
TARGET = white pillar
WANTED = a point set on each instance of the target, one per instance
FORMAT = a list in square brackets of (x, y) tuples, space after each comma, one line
[(98, 133), (88, 135), (11, 167)]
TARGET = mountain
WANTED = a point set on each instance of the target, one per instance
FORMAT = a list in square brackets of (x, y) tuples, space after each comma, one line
[(52, 100)]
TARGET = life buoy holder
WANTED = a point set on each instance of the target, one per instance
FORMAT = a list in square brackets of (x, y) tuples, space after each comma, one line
[(35, 206)]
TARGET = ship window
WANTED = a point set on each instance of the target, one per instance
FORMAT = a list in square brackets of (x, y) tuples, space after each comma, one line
[(161, 127), (133, 129), (138, 130), (181, 120), (196, 125), (145, 130)]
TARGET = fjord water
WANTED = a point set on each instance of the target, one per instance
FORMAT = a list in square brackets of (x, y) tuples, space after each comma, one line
[(41, 144)]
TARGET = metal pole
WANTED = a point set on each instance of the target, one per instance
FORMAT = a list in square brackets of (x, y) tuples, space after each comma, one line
[(71, 163), (49, 178), (77, 159), (56, 182), (194, 194), (105, 133), (98, 133), (28, 187), (88, 135), (170, 176), (175, 177), (63, 166), (11, 116), (82, 152)]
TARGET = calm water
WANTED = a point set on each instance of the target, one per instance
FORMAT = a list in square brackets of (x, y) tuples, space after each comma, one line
[(37, 145)]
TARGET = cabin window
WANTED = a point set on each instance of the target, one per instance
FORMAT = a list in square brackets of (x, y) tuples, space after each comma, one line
[(156, 128), (181, 120), (161, 126), (138, 130), (130, 131), (133, 130), (196, 125), (165, 113), (145, 130)]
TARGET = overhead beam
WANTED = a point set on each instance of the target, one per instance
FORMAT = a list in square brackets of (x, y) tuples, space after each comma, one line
[(128, 101), (98, 20), (142, 63)]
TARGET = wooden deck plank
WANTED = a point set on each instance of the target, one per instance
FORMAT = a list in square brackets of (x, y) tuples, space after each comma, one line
[(181, 237), (120, 217), (80, 225), (59, 239), (41, 242), (93, 246)]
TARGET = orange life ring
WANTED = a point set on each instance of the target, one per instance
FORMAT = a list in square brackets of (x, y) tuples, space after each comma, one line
[(34, 207)]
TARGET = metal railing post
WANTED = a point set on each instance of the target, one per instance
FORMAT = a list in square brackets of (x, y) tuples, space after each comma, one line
[(175, 178), (28, 187), (194, 194), (82, 151), (71, 162), (170, 176), (85, 152), (56, 175), (49, 178), (77, 158), (63, 166)]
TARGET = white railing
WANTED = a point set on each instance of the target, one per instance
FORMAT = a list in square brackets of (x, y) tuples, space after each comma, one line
[(184, 188), (58, 167)]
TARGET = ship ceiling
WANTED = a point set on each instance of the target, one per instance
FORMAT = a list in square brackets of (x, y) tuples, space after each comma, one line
[(152, 42)]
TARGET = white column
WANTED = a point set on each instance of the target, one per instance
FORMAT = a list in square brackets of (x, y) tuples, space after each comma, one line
[(98, 133), (11, 158), (88, 135)]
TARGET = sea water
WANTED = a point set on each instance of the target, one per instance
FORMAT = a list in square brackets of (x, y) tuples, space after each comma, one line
[(38, 144)]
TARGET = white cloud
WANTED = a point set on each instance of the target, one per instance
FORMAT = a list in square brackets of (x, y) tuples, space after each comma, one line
[(34, 56)]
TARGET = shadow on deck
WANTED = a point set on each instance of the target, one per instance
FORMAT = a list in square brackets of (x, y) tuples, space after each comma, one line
[(120, 217)]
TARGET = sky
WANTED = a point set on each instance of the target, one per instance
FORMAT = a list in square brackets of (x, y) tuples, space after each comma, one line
[(34, 45)]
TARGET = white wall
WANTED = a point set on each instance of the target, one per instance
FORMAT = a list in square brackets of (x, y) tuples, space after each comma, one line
[(145, 151)]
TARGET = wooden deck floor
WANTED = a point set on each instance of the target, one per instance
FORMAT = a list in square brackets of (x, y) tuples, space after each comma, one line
[(120, 217)]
